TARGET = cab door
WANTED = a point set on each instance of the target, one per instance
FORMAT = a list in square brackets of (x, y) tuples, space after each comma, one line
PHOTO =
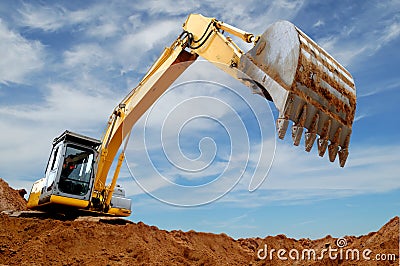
[(53, 166)]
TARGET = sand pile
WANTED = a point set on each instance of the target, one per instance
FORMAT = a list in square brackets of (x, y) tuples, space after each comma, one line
[(33, 241), (11, 199)]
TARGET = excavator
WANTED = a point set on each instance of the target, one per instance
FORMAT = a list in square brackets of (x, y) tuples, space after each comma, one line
[(306, 84)]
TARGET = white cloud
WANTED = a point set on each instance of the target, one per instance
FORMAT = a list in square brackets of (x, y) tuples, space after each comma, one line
[(389, 33), (361, 116), (45, 18), (255, 16), (88, 55), (52, 17), (343, 52), (286, 7), (384, 87), (133, 47), (319, 23), (364, 35), (171, 8), (19, 57), (105, 29), (63, 106), (30, 129), (298, 176), (99, 20), (360, 173)]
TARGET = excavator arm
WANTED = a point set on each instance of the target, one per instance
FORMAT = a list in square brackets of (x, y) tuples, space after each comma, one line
[(203, 37)]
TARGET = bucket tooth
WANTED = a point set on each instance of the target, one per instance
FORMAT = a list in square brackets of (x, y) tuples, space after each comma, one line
[(283, 120), (333, 150), (322, 145), (311, 134), (343, 154), (282, 125), (310, 139), (344, 151), (323, 139), (333, 147), (297, 131)]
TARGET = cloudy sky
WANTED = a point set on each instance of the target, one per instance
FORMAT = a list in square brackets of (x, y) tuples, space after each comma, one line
[(66, 64)]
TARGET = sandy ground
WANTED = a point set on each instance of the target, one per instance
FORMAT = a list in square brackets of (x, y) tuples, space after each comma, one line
[(33, 241)]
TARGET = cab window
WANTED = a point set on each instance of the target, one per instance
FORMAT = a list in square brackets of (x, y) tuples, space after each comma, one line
[(76, 170)]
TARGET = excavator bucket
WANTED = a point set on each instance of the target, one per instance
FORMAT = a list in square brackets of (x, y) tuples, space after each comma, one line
[(307, 86)]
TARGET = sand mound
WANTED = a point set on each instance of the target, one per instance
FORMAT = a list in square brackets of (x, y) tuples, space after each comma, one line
[(11, 199), (33, 241)]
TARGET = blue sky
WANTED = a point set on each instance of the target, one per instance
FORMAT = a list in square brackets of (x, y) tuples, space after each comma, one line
[(66, 64)]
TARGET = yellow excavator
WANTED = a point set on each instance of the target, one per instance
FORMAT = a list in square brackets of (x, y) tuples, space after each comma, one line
[(307, 85)]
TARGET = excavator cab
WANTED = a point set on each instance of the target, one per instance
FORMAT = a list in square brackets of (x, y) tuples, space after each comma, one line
[(69, 180), (69, 175)]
